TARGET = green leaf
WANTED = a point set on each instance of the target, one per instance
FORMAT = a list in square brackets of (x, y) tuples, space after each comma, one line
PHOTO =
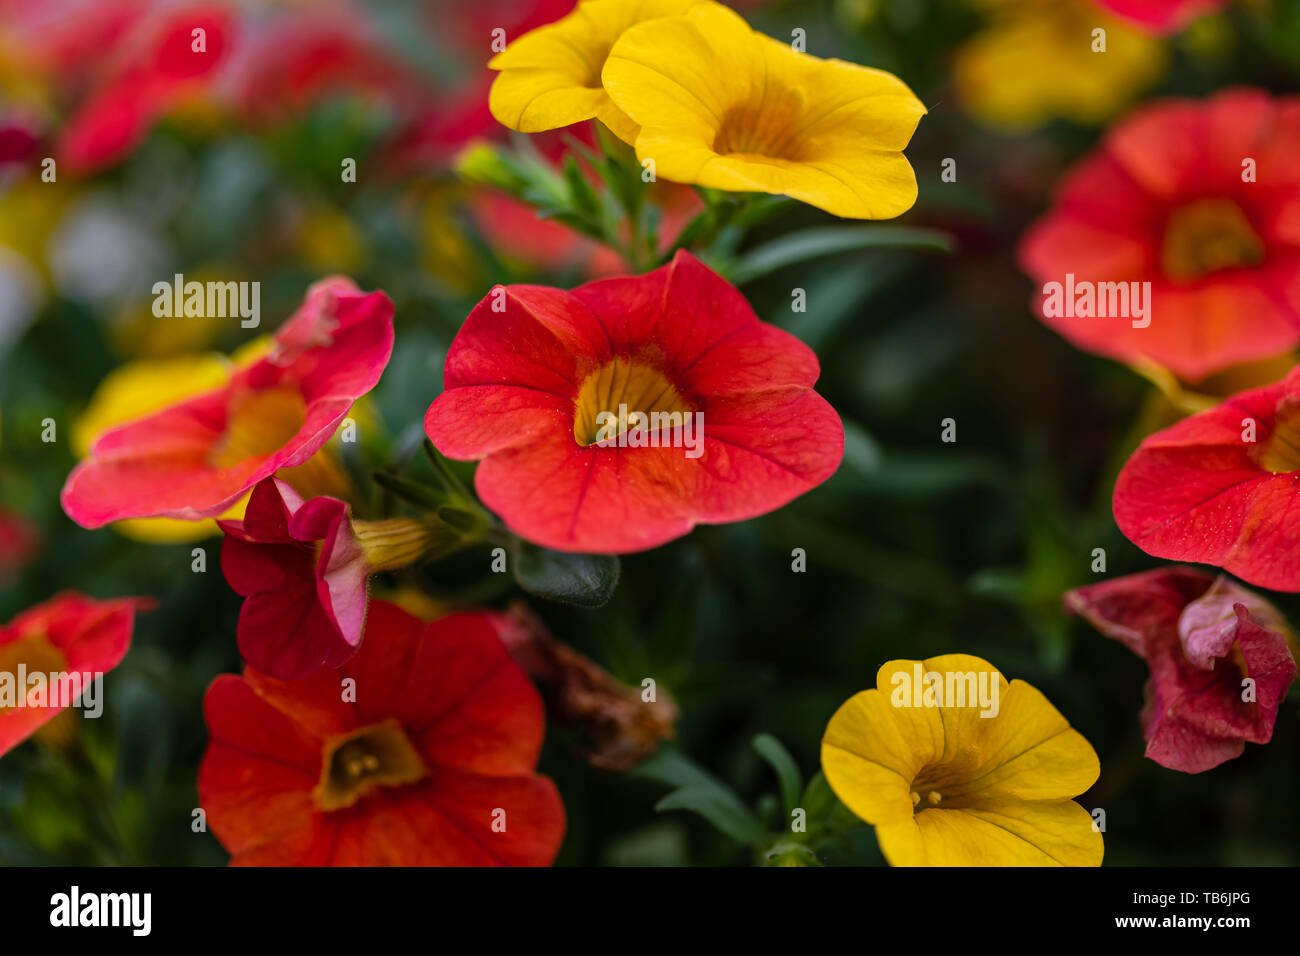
[(819, 800), (722, 808), (413, 492), (827, 240), (787, 771), (587, 580)]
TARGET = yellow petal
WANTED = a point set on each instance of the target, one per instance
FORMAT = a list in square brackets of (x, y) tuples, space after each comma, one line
[(1058, 833), (872, 751), (722, 106), (550, 77)]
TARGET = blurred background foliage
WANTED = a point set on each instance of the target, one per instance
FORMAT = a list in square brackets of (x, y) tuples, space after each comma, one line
[(915, 547)]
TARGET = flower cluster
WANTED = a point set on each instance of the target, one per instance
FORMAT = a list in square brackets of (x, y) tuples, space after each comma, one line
[(541, 382)]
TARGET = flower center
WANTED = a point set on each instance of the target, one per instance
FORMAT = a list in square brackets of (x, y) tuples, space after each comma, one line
[(1207, 236), (770, 129), (37, 656), (259, 423), (380, 755), (1280, 452), (624, 394)]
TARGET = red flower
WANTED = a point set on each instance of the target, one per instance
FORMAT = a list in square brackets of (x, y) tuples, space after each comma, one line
[(305, 568), (68, 634), (305, 579), (1219, 658), (1221, 487), (158, 61), (196, 458), (1162, 16), (1201, 200), (427, 759), (305, 55), (535, 371)]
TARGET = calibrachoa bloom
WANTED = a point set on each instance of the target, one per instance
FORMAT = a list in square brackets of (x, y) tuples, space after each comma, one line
[(1162, 16), (1198, 199), (534, 371), (68, 634), (428, 759), (1219, 658), (305, 568), (945, 786), (1220, 488), (550, 78), (1036, 61), (723, 106), (196, 458)]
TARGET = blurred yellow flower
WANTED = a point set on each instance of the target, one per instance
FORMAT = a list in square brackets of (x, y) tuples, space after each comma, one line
[(945, 786), (723, 106), (550, 77), (1042, 59)]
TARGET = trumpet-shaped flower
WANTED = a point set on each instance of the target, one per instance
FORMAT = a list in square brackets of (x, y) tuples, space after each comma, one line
[(722, 106), (1198, 199), (304, 567), (1221, 487), (550, 77), (70, 634), (420, 751), (1219, 655), (954, 766), (196, 458), (535, 371)]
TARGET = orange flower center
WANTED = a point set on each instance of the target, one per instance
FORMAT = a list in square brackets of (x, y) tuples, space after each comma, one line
[(38, 656), (353, 765), (770, 129), (623, 394), (1207, 236), (1280, 452), (259, 423)]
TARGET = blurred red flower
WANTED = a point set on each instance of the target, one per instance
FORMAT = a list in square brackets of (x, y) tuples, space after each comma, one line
[(68, 634), (196, 458), (1202, 200), (548, 387), (1203, 639), (1162, 16), (306, 54), (420, 751), (169, 53), (19, 541), (1221, 487)]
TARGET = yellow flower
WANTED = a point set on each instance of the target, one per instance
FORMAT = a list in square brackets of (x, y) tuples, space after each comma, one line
[(722, 106), (945, 786), (1036, 61), (550, 77)]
